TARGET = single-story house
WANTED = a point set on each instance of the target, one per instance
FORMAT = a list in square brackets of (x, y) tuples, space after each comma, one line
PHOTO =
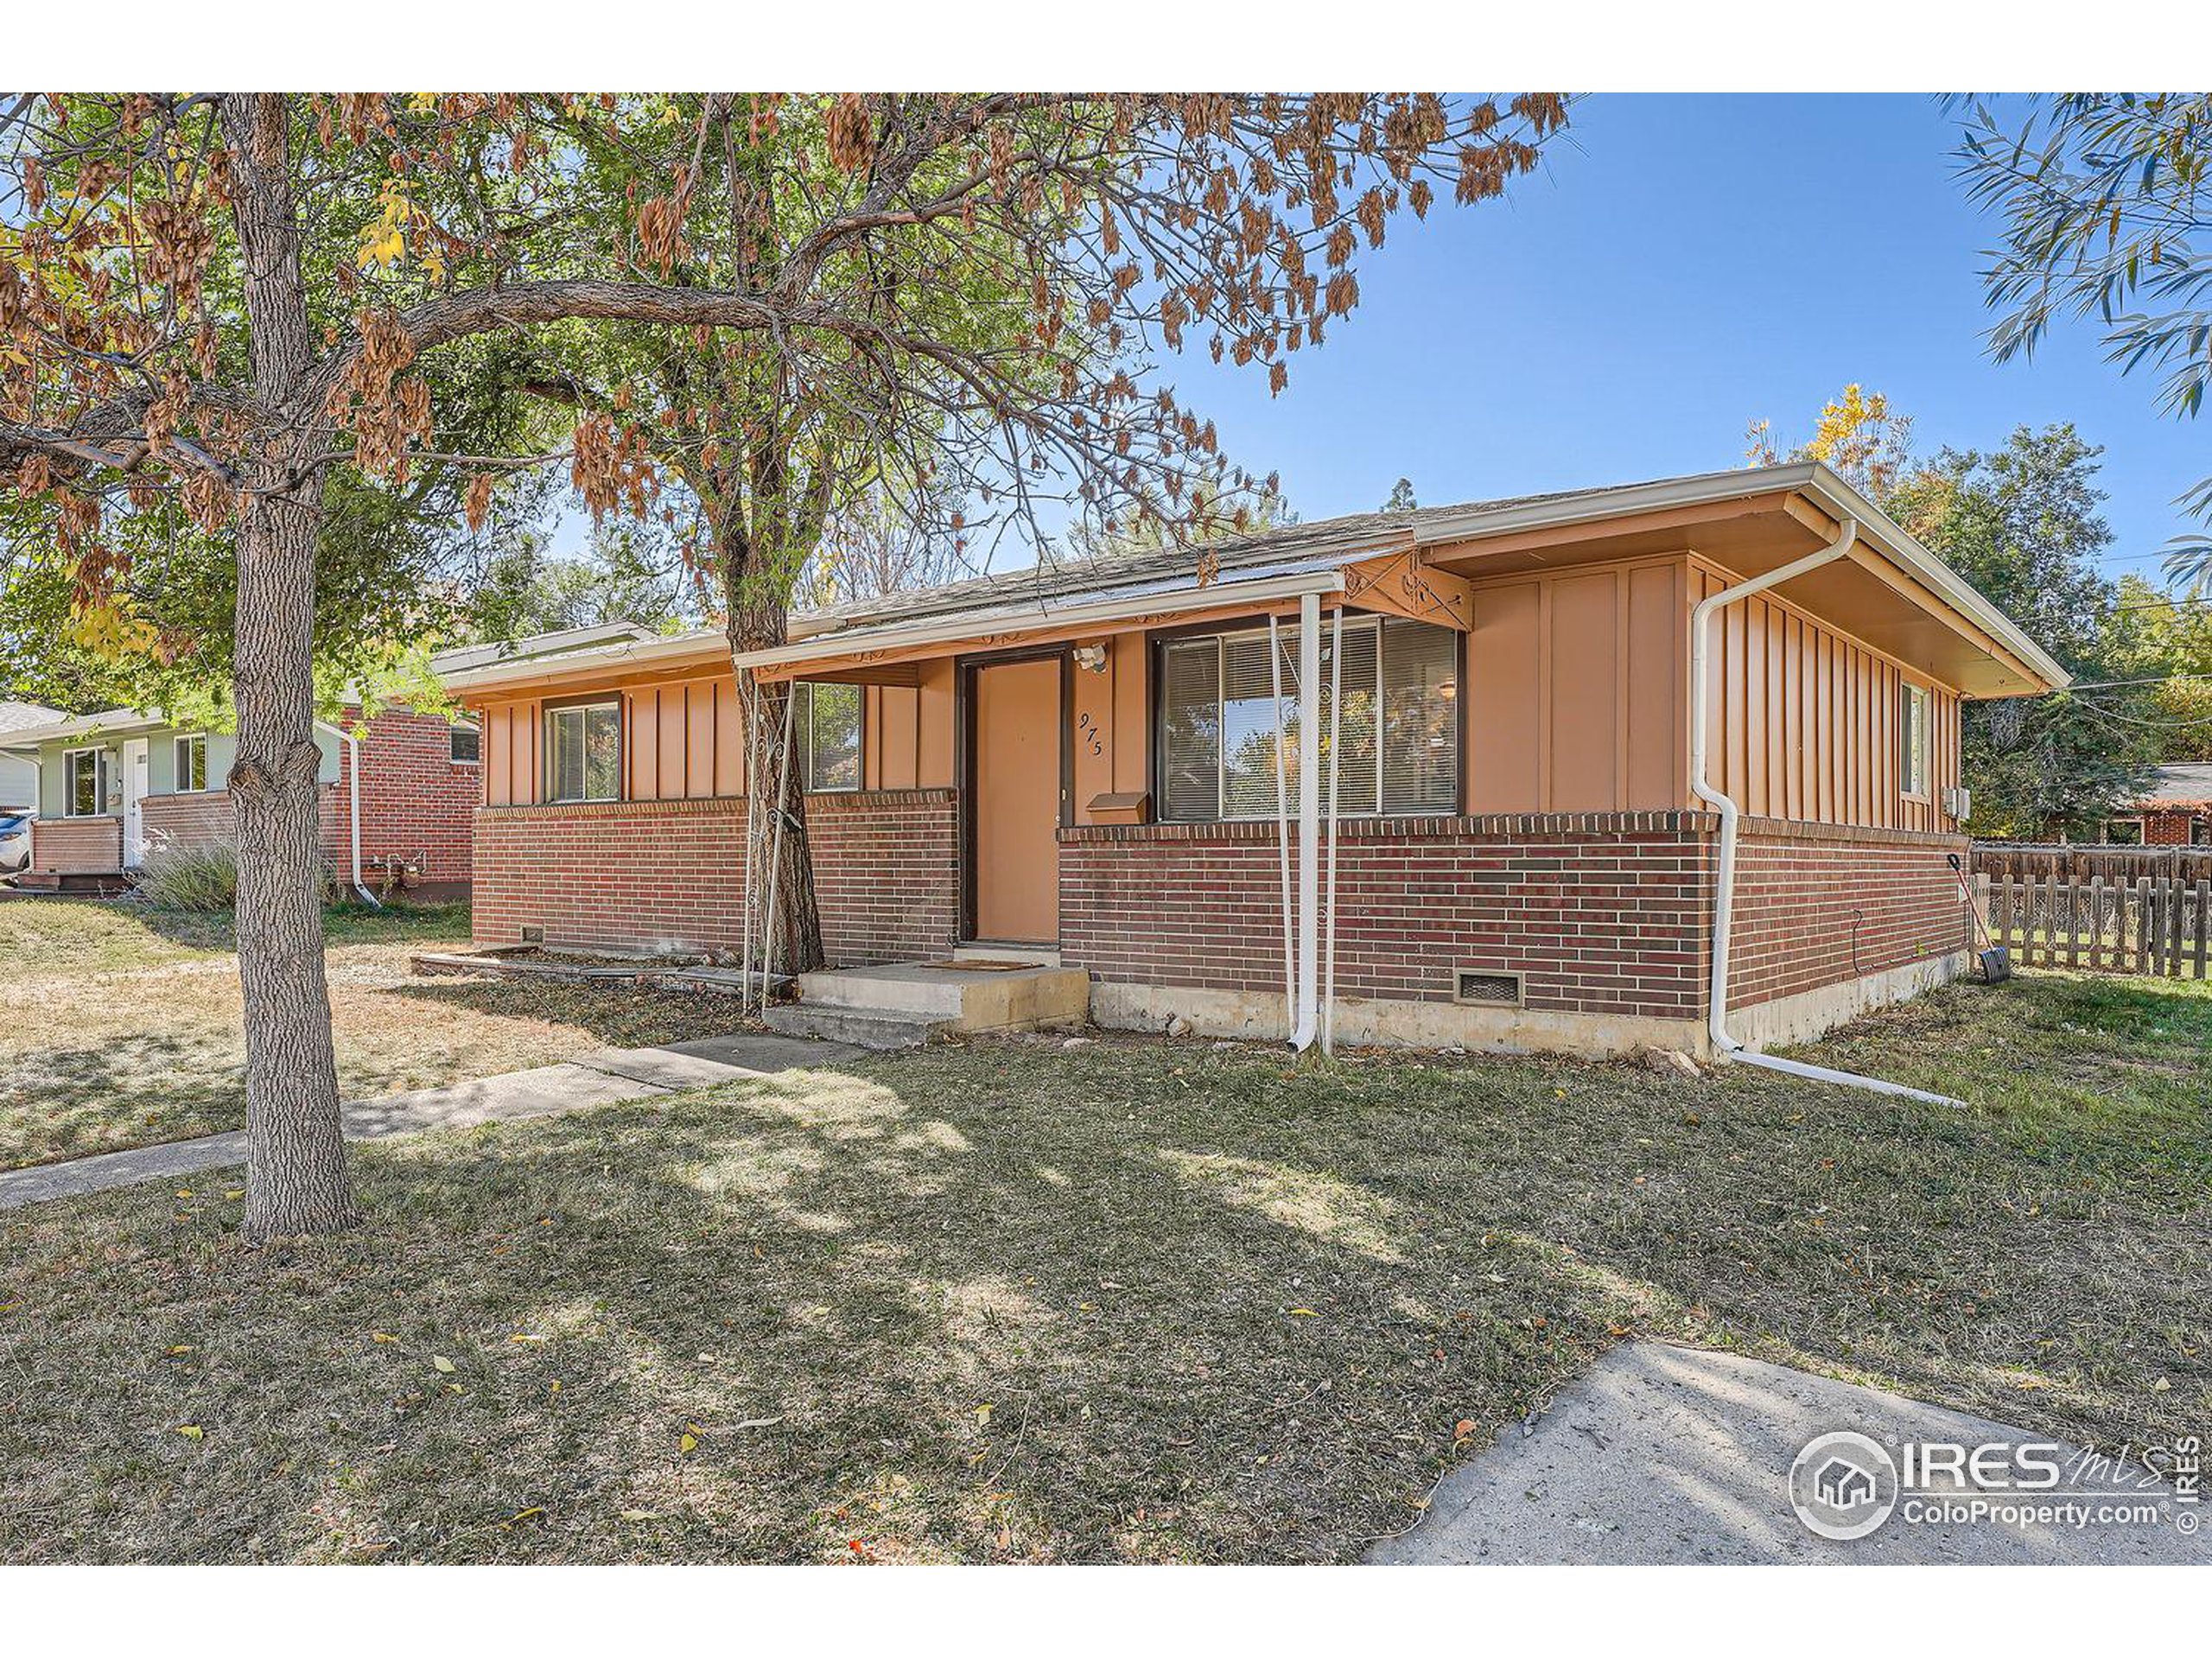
[(1537, 841), (2176, 811), (114, 785), (19, 773)]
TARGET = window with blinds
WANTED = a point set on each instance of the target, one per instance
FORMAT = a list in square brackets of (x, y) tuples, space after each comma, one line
[(1399, 732)]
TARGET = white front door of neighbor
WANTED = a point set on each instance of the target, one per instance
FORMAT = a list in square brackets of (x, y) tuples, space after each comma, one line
[(134, 790)]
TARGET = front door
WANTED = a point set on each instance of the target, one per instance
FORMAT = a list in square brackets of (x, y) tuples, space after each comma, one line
[(1015, 766), (134, 791)]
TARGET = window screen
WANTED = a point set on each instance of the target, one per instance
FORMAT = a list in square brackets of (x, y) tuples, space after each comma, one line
[(583, 751), (831, 739), (1190, 728), (1421, 725)]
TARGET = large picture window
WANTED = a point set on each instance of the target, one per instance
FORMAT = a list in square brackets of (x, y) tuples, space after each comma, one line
[(583, 751), (828, 721), (1912, 742), (1400, 729), (85, 777), (191, 754)]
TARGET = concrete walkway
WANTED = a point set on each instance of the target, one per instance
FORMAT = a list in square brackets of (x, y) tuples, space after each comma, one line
[(602, 1077), (1663, 1455)]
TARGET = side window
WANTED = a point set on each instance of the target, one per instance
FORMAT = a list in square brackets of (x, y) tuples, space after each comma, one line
[(466, 742), (191, 754), (1912, 737), (828, 723), (583, 751)]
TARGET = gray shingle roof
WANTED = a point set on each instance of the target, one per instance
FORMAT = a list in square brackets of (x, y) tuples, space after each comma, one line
[(2183, 784), (1064, 578)]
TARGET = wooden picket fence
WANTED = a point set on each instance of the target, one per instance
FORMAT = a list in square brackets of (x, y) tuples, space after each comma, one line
[(2150, 924)]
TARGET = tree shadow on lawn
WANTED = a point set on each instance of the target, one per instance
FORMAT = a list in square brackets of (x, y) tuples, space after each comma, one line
[(150, 1087), (620, 1016), (1124, 1303)]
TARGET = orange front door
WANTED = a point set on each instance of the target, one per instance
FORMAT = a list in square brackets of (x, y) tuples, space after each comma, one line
[(1017, 801)]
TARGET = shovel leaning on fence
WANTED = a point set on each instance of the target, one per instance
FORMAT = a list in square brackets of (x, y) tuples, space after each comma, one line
[(1996, 960)]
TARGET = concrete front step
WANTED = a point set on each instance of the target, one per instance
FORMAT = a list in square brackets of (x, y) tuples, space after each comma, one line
[(972, 997), (876, 1028)]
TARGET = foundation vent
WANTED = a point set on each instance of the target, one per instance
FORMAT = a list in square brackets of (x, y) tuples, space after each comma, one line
[(1485, 989), (533, 935)]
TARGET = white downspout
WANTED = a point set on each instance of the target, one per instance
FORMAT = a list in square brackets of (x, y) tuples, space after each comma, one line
[(1724, 897), (1282, 832), (1309, 822), (1336, 752), (353, 805)]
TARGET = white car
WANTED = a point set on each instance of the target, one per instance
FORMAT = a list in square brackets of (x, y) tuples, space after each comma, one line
[(14, 842)]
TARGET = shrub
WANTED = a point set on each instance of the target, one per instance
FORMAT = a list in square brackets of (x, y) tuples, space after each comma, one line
[(202, 877)]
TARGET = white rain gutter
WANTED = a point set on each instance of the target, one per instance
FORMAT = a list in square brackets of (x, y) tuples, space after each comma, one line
[(1724, 897), (1309, 822), (353, 810), (954, 628)]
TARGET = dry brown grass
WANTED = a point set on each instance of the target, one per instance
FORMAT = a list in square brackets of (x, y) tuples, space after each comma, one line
[(1218, 1306), (126, 1021)]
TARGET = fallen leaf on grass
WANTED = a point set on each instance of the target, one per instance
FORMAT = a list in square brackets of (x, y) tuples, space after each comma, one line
[(441, 1363), (382, 1336), (982, 1415), (1305, 1314), (190, 1431)]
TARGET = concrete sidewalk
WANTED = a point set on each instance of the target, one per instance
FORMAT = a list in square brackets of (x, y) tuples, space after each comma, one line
[(1667, 1455), (602, 1077)]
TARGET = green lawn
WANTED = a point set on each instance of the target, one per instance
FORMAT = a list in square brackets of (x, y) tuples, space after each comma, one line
[(126, 1024), (1129, 1301)]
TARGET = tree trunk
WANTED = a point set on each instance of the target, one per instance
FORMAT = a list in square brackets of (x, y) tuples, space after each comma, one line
[(295, 1171), (797, 925)]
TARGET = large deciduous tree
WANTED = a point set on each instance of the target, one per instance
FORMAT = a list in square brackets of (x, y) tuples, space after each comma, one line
[(227, 306), (2105, 200)]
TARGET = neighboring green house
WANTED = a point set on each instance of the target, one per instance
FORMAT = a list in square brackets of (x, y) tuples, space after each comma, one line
[(113, 786), (111, 783)]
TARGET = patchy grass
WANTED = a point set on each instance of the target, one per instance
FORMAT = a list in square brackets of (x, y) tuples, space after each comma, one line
[(127, 1023), (1130, 1300)]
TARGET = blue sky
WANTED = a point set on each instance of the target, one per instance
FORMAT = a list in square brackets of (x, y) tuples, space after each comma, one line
[(1685, 263)]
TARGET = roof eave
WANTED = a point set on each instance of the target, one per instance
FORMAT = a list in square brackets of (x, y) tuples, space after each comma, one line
[(953, 628)]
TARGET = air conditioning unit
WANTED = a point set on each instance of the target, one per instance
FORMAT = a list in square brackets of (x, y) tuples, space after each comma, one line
[(1959, 803)]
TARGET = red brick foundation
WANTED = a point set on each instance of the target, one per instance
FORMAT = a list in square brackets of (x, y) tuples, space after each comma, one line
[(1820, 904), (1599, 913), (668, 876), (77, 846)]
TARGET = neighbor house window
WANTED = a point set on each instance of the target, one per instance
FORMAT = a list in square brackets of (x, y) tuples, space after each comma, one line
[(191, 763), (87, 780), (2123, 832), (466, 742), (583, 751), (1912, 740), (1399, 731), (828, 721)]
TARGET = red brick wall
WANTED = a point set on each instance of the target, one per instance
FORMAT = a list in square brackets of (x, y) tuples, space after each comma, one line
[(669, 874), (887, 873), (2168, 829), (1819, 904), (71, 846), (202, 816), (416, 805), (192, 820), (1601, 912)]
